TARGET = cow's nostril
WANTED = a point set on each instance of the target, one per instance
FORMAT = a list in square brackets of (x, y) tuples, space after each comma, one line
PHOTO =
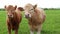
[(25, 15), (28, 14), (10, 15)]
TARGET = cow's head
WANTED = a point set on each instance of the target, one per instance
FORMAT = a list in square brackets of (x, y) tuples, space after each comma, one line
[(10, 10), (29, 10)]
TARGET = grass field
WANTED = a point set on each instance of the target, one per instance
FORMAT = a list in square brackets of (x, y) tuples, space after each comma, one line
[(50, 26)]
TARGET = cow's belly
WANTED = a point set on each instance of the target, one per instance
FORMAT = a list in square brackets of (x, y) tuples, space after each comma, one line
[(34, 27)]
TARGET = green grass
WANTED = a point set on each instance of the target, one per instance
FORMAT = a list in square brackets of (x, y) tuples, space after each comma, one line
[(50, 26)]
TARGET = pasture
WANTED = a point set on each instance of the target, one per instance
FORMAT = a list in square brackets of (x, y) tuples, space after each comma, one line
[(50, 26)]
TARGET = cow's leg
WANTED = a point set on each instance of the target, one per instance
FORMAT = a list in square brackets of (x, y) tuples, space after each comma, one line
[(39, 29), (38, 32), (9, 29), (31, 32), (31, 29), (16, 31)]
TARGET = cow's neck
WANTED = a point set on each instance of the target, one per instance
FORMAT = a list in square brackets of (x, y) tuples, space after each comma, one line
[(35, 17)]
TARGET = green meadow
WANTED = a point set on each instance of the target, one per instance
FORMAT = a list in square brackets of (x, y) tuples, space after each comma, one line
[(50, 26)]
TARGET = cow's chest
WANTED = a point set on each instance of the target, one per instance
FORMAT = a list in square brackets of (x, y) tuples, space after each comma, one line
[(13, 22), (35, 21)]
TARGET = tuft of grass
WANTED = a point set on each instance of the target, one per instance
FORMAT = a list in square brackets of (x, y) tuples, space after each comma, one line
[(50, 26)]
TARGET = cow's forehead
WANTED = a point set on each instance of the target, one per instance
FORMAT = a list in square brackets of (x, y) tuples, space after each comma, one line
[(29, 6), (10, 7)]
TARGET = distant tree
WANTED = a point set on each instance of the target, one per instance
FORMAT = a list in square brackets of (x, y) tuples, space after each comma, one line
[(2, 9)]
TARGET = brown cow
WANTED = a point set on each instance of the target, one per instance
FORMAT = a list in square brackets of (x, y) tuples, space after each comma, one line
[(14, 17), (35, 16)]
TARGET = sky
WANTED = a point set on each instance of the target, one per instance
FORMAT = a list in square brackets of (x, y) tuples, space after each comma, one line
[(40, 3)]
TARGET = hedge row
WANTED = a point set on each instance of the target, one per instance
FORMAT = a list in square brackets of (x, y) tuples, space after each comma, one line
[(2, 9), (42, 8)]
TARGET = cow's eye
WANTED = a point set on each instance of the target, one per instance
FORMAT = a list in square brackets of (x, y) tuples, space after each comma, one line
[(31, 9), (11, 10)]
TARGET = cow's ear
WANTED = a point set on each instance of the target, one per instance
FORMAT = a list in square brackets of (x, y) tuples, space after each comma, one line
[(5, 7), (20, 8), (15, 7), (35, 6)]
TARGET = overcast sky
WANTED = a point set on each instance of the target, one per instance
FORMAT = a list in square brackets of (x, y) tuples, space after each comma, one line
[(40, 3)]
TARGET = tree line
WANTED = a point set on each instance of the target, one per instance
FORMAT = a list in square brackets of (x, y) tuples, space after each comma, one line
[(42, 8)]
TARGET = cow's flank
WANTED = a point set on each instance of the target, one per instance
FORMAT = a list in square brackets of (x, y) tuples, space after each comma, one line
[(14, 17), (35, 16)]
